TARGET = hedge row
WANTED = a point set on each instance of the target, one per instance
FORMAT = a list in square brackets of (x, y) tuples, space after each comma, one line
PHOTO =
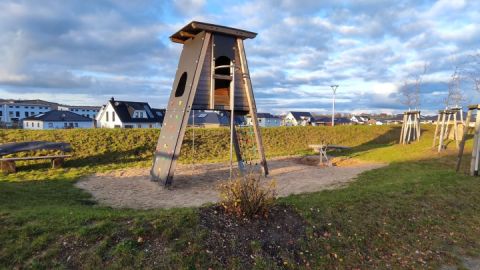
[(211, 144)]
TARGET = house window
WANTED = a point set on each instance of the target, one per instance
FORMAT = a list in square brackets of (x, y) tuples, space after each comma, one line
[(17, 107), (150, 126), (38, 124), (139, 126), (113, 116), (106, 117), (17, 114), (26, 114), (26, 124), (76, 125), (1, 113), (65, 125), (50, 125), (126, 126)]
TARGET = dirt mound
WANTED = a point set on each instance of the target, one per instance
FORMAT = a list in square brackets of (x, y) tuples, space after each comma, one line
[(273, 237)]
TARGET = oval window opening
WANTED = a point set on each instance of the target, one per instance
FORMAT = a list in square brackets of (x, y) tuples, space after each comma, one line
[(181, 85)]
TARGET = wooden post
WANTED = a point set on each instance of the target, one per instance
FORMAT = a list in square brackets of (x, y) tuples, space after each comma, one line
[(436, 130), (251, 103), (409, 128), (419, 131), (447, 125), (455, 129), (464, 138), (442, 132), (474, 160), (8, 166), (402, 132), (57, 163)]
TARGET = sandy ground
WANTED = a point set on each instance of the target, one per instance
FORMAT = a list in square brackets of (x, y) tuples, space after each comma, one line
[(195, 185)]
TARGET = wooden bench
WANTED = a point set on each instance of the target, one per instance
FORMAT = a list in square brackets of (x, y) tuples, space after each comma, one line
[(322, 150), (8, 164)]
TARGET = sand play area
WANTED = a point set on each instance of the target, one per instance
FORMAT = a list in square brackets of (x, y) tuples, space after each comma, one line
[(195, 185)]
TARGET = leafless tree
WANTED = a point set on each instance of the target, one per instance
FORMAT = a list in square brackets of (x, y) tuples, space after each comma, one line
[(455, 96), (472, 70), (410, 93)]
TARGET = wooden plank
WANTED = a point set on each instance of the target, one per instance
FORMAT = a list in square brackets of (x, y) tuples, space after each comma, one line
[(462, 142), (251, 103), (12, 148), (34, 158)]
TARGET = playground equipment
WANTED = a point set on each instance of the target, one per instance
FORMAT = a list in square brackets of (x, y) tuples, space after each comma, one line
[(474, 161), (212, 74), (445, 125), (410, 127)]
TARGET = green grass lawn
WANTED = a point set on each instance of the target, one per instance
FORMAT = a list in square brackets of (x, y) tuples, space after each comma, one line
[(414, 213)]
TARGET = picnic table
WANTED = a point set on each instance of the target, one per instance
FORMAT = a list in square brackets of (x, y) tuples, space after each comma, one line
[(322, 150), (8, 164)]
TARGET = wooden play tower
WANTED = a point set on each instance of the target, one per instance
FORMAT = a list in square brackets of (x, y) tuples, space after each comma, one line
[(447, 126), (212, 74), (475, 159), (410, 127)]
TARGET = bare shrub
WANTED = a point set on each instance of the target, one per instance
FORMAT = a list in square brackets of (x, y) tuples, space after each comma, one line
[(247, 197)]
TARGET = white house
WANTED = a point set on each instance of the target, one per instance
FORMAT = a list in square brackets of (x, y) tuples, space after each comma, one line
[(12, 112), (359, 119), (298, 119), (87, 111), (129, 114), (57, 120), (266, 120)]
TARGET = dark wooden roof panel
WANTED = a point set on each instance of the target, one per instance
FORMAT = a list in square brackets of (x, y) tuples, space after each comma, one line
[(194, 27)]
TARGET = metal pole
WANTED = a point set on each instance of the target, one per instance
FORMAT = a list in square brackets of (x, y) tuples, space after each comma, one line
[(334, 88), (232, 116)]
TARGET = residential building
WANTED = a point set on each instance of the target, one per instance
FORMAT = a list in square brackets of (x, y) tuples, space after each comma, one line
[(266, 120), (128, 114), (327, 121), (57, 119), (12, 112), (298, 119), (208, 119), (359, 119), (86, 111)]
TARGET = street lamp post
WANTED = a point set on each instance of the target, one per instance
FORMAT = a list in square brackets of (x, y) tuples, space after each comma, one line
[(334, 88)]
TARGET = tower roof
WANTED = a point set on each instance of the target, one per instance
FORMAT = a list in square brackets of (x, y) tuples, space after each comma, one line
[(194, 27)]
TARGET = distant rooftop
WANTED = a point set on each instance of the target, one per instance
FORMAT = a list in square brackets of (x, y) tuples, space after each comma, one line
[(58, 116)]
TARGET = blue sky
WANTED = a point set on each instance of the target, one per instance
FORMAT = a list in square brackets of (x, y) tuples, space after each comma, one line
[(84, 52)]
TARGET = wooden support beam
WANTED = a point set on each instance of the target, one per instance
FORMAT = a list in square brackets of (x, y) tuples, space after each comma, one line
[(442, 133), (402, 132), (186, 34), (435, 135), (474, 160), (251, 103), (464, 138)]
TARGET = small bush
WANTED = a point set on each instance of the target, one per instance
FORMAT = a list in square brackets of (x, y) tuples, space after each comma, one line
[(247, 197)]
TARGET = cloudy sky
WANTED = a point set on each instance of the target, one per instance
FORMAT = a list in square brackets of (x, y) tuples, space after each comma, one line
[(84, 52)]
